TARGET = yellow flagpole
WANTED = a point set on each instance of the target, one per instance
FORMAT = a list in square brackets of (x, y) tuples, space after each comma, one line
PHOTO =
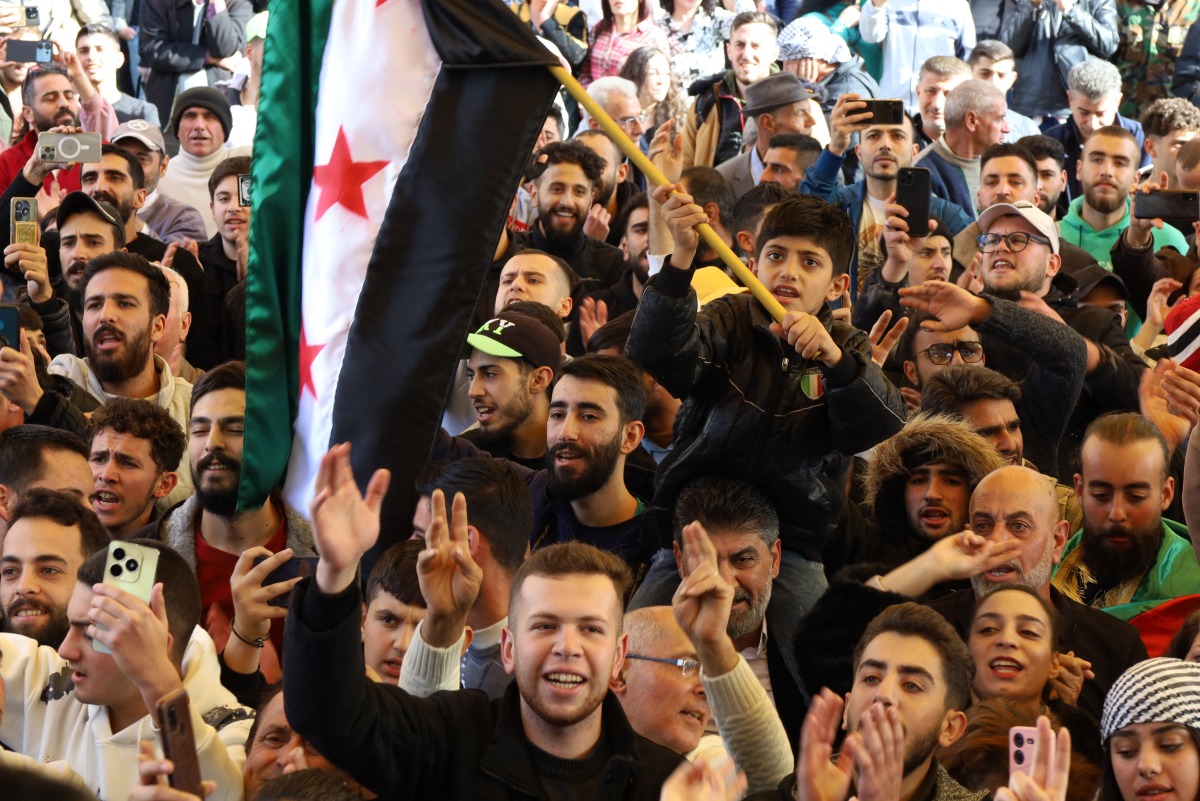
[(655, 177)]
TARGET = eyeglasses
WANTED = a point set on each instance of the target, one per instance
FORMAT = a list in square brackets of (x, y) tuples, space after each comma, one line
[(627, 122), (1016, 241), (943, 352), (686, 666)]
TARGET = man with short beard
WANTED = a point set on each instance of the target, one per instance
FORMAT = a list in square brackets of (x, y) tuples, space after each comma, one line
[(125, 304), (513, 361), (207, 529), (1107, 171), (118, 179), (166, 218), (1021, 262), (54, 97), (564, 194), (1126, 559), (49, 537), (595, 423)]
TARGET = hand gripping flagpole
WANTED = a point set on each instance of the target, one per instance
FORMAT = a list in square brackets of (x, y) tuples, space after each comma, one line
[(655, 176)]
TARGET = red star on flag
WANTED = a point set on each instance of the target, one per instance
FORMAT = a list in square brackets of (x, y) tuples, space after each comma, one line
[(308, 354), (341, 179)]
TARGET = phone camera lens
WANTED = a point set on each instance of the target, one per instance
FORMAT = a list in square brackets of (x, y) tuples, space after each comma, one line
[(118, 554), (116, 570), (131, 565), (1019, 757), (1019, 740)]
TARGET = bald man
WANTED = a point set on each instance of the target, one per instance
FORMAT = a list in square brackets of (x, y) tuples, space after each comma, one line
[(1017, 503)]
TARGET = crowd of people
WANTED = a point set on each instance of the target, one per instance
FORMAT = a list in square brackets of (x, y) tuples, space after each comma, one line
[(909, 522)]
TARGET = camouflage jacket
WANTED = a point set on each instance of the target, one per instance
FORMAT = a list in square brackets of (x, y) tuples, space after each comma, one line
[(1151, 38)]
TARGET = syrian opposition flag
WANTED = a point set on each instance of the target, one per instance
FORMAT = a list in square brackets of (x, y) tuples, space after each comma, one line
[(370, 239)]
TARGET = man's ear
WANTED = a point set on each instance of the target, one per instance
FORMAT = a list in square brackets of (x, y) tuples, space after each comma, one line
[(1151, 147), (632, 436), (910, 372), (837, 287), (618, 668), (139, 198), (714, 213), (8, 501), (166, 482), (1053, 265), (473, 540), (1168, 493), (540, 379), (754, 264), (622, 173), (507, 647), (1062, 530), (954, 725), (745, 241), (1079, 170), (185, 325), (468, 638), (158, 325), (363, 625)]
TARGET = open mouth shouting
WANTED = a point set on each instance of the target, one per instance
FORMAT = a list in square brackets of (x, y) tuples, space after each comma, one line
[(786, 293), (107, 338), (105, 501)]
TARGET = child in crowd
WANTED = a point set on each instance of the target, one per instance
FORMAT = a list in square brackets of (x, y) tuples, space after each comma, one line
[(781, 405)]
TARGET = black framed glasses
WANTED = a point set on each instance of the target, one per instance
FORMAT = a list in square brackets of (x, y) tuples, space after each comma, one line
[(686, 666), (1016, 241), (943, 352)]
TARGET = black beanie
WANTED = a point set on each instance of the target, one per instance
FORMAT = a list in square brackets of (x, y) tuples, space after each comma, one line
[(205, 97)]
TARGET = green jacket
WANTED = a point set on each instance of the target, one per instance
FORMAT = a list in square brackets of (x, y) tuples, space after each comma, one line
[(1072, 228), (1174, 573)]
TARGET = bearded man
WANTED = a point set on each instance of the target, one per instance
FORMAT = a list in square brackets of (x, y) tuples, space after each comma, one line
[(1126, 559)]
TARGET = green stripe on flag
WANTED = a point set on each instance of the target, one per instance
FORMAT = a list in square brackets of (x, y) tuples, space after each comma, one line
[(282, 173)]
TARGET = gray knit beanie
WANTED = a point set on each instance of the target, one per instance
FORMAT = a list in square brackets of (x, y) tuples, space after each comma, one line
[(1155, 691)]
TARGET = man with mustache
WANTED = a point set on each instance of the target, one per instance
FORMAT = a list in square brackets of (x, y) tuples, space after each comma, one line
[(49, 537), (55, 96), (564, 193), (1126, 559), (119, 179), (595, 422), (125, 304), (210, 532), (1107, 171)]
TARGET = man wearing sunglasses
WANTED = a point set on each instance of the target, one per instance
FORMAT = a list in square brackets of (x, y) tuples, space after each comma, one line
[(1013, 317)]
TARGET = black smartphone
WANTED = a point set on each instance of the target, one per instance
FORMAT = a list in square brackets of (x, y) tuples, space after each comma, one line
[(179, 741), (39, 52), (913, 193), (883, 112), (296, 567), (1178, 205)]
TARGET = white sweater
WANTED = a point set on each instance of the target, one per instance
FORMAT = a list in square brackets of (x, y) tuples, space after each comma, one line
[(47, 724)]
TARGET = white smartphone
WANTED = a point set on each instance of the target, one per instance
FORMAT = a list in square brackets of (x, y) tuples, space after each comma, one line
[(131, 568)]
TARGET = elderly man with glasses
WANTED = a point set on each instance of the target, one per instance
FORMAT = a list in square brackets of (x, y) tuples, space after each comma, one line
[(1023, 290)]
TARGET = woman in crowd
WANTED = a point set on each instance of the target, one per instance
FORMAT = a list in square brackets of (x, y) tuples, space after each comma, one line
[(1151, 730), (1018, 676), (626, 26), (697, 31), (658, 90)]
